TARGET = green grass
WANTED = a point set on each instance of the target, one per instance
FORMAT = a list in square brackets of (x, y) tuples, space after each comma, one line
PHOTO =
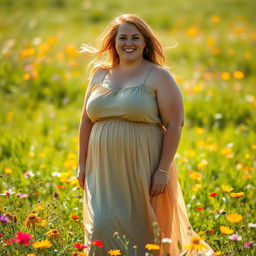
[(40, 117)]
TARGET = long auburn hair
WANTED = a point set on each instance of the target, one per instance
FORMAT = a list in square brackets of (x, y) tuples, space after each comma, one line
[(106, 56)]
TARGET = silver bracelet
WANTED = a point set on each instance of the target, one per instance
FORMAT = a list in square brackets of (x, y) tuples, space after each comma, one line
[(161, 170)]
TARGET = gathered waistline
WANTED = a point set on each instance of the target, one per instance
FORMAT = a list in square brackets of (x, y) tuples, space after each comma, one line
[(126, 120)]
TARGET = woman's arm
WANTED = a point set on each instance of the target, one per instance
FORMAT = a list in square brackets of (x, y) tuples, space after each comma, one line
[(170, 104), (84, 133)]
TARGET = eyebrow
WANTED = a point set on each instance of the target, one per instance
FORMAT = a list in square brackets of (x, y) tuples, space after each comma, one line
[(132, 35)]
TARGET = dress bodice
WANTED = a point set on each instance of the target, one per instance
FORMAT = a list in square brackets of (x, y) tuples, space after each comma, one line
[(137, 103)]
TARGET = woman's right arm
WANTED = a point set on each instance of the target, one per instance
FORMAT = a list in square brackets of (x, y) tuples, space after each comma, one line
[(84, 134)]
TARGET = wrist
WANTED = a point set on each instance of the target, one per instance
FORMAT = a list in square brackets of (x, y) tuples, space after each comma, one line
[(162, 170)]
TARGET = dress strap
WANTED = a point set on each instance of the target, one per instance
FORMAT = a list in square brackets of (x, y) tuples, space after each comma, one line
[(149, 70), (104, 76)]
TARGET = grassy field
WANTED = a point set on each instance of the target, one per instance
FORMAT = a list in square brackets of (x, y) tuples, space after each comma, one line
[(42, 85)]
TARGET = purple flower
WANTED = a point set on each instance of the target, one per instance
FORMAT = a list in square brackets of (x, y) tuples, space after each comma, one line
[(3, 219)]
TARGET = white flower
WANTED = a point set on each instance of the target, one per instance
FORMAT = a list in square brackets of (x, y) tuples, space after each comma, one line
[(166, 240), (252, 225), (235, 237)]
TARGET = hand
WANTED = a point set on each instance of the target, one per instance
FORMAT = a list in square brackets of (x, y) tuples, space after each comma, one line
[(81, 177), (159, 182)]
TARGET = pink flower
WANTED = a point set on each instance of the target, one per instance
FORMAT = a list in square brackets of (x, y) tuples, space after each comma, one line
[(22, 238), (235, 237), (247, 244)]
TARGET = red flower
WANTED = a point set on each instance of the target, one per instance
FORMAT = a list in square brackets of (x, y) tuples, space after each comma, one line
[(74, 217), (79, 246), (97, 243), (1, 234), (213, 194), (68, 182), (200, 208), (60, 186), (211, 231)]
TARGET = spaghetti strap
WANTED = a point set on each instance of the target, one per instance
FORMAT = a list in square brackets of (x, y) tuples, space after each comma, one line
[(149, 70), (104, 76)]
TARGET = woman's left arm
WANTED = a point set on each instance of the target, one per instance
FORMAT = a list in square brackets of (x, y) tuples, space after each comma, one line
[(170, 104)]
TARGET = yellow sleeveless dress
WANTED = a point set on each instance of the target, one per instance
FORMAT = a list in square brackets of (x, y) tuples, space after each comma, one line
[(123, 153)]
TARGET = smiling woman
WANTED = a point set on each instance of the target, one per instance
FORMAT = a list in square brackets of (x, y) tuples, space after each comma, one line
[(129, 133)]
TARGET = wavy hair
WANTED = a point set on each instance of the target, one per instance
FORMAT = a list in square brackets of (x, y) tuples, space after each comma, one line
[(106, 56)]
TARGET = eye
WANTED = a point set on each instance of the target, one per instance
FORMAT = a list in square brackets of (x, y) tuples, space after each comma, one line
[(122, 37), (136, 37)]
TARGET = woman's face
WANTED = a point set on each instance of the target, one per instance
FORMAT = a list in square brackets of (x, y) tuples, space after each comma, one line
[(129, 42)]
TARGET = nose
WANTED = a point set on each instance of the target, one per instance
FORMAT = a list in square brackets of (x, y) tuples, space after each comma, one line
[(128, 41)]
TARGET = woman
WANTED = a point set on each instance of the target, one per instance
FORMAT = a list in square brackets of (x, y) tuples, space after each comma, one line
[(129, 133)]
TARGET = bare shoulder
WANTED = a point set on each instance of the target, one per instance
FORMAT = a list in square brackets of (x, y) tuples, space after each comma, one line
[(161, 78), (96, 77)]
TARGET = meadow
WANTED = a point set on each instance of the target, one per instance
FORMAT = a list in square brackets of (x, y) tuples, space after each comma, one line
[(210, 48)]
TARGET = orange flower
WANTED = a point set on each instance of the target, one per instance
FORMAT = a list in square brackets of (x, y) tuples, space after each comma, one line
[(32, 220), (237, 195), (226, 230)]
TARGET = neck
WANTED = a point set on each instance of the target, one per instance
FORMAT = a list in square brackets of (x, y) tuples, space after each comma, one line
[(131, 65)]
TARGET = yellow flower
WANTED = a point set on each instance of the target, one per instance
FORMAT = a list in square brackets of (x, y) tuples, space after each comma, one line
[(8, 170), (42, 244), (237, 195), (192, 31), (28, 52), (234, 217), (226, 230), (78, 254), (196, 187), (31, 254), (114, 252), (238, 74), (215, 18), (196, 244), (32, 220), (218, 253), (225, 76), (195, 175), (226, 188), (152, 247), (53, 233)]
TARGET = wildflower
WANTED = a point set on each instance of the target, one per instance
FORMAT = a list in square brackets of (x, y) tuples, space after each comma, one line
[(42, 244), (31, 254), (226, 188), (200, 208), (234, 217), (12, 217), (225, 76), (114, 252), (22, 238), (74, 217), (8, 170), (237, 195), (98, 243), (32, 220), (247, 244), (235, 237), (53, 233), (166, 242), (152, 247), (3, 219), (238, 74), (213, 194), (79, 246), (78, 254), (195, 244), (252, 225), (217, 253), (226, 230)]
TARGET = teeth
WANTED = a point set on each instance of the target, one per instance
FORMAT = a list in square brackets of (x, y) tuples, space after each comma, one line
[(129, 50)]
